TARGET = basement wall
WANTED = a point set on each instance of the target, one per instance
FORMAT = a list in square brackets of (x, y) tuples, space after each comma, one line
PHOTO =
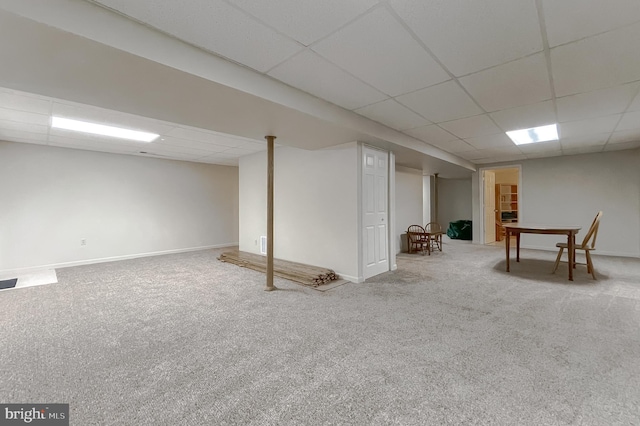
[(123, 206), (315, 206), (571, 190), (409, 204)]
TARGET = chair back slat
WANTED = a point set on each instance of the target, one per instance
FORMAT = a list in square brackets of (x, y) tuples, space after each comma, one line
[(432, 227), (592, 233), (414, 230)]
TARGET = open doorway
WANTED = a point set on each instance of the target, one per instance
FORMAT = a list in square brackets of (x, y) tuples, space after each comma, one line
[(501, 191)]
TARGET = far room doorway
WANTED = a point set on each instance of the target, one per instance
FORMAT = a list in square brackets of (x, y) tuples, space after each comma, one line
[(501, 189)]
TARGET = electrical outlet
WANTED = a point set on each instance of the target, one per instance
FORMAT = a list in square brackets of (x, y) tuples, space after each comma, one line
[(83, 242)]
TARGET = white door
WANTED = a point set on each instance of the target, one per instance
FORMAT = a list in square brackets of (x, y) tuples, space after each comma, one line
[(375, 201), (489, 206)]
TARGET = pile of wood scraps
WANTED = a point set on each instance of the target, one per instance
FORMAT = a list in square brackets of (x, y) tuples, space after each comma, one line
[(312, 276)]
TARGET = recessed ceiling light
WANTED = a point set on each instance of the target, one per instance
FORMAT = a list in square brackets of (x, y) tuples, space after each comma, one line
[(101, 129), (534, 135)]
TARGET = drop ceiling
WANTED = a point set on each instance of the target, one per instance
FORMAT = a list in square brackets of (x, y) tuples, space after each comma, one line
[(437, 81)]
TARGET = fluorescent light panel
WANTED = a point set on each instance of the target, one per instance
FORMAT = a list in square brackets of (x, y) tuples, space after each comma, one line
[(101, 129), (534, 135)]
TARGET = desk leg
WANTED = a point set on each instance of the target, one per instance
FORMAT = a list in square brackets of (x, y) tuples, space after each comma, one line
[(571, 246), (506, 244), (518, 247)]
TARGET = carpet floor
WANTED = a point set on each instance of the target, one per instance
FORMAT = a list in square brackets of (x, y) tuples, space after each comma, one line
[(450, 338)]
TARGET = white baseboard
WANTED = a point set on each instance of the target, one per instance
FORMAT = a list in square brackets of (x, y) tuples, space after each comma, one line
[(7, 272), (351, 278)]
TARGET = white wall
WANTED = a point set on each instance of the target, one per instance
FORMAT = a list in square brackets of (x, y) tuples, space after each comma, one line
[(409, 203), (454, 200), (315, 206), (572, 189), (124, 206)]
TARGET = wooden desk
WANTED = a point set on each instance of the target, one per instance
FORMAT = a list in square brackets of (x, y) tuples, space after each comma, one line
[(518, 228)]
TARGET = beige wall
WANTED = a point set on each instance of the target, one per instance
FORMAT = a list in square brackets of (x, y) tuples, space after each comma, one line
[(315, 206), (572, 189), (124, 206), (454, 201), (409, 203)]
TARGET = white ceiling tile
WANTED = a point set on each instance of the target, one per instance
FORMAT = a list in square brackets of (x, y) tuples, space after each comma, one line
[(517, 83), (183, 132), (501, 158), (470, 155), (431, 134), (444, 102), (22, 136), (625, 136), (216, 26), (95, 145), (532, 148), (587, 127), (597, 103), (571, 20), (24, 102), (255, 147), (468, 36), (490, 141), (192, 144), (629, 121), (455, 146), (164, 147), (635, 105), (305, 20), (479, 125), (582, 150), (489, 153), (393, 114), (24, 117), (327, 82), (379, 51), (237, 152), (22, 126), (597, 62), (543, 154), (622, 146), (526, 116), (597, 139)]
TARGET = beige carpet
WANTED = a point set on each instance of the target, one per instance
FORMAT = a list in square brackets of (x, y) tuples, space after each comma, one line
[(446, 339)]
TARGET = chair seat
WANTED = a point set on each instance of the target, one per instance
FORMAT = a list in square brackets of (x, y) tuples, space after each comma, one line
[(578, 246)]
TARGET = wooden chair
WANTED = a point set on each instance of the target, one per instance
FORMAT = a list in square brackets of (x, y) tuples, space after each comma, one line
[(588, 244), (417, 238), (434, 232)]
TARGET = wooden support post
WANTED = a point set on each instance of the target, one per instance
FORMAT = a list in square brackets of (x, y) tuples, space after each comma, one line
[(270, 286)]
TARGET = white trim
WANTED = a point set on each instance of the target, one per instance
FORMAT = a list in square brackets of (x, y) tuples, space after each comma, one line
[(481, 171), (111, 259), (351, 278)]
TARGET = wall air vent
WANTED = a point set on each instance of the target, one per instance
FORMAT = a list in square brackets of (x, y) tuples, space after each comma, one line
[(263, 245)]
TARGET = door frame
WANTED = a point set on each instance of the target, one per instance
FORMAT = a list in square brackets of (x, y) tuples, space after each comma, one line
[(481, 171), (391, 205)]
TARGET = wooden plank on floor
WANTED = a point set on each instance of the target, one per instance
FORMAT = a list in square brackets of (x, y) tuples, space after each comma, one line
[(299, 272)]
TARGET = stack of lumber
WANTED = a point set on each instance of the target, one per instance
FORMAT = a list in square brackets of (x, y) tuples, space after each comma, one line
[(313, 276)]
